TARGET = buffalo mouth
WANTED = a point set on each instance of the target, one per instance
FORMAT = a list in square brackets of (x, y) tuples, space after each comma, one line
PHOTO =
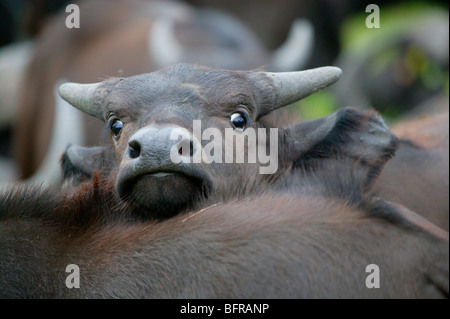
[(163, 192)]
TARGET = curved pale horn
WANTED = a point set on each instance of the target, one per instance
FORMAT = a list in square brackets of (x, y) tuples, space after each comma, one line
[(293, 86), (82, 96)]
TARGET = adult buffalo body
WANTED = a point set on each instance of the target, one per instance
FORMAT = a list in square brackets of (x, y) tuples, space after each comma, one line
[(313, 240)]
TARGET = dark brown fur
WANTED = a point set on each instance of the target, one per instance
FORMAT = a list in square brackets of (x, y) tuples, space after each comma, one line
[(307, 241)]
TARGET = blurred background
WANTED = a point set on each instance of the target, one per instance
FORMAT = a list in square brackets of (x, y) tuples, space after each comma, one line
[(400, 69)]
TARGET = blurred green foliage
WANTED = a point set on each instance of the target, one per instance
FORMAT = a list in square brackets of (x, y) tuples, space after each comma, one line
[(317, 105), (395, 20)]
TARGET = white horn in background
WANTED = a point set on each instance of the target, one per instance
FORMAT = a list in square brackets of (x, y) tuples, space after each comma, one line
[(295, 52)]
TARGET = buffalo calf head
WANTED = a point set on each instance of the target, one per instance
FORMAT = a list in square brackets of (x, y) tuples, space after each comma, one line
[(173, 131)]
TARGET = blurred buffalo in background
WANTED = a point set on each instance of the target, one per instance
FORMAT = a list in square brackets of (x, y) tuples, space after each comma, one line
[(120, 37)]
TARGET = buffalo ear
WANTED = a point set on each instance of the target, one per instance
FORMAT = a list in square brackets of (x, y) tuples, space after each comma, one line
[(348, 134), (79, 163)]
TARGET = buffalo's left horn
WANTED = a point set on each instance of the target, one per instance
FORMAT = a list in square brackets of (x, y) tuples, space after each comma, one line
[(82, 96), (289, 87)]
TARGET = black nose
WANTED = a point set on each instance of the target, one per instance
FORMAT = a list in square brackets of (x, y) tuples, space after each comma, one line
[(161, 145), (134, 149)]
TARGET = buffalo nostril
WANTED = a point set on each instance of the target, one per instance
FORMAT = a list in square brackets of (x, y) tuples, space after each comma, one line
[(134, 149), (183, 152)]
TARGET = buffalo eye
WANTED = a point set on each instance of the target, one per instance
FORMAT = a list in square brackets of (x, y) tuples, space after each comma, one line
[(239, 121), (116, 127)]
